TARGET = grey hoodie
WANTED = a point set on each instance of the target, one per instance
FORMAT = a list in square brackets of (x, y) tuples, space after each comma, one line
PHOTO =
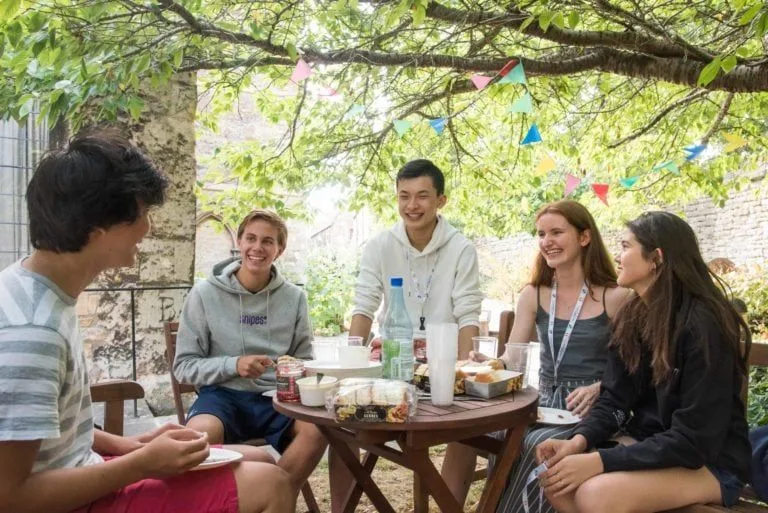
[(221, 321)]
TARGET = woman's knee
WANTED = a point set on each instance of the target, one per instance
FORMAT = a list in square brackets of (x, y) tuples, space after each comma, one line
[(595, 496)]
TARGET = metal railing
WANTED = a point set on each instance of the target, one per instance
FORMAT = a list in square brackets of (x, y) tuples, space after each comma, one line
[(133, 291)]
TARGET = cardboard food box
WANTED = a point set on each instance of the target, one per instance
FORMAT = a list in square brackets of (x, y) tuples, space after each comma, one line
[(504, 381)]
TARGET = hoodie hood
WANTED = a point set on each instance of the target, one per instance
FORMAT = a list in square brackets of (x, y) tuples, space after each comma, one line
[(443, 233), (223, 277)]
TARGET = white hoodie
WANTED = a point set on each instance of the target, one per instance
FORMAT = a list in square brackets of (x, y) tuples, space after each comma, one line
[(454, 294)]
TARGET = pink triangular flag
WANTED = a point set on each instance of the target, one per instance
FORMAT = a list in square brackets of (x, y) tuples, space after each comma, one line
[(480, 81), (601, 191), (301, 72), (571, 182)]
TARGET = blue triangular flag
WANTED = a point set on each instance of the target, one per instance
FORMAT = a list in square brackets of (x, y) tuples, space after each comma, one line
[(516, 76), (524, 104), (438, 125), (533, 135), (694, 150), (629, 181), (401, 126)]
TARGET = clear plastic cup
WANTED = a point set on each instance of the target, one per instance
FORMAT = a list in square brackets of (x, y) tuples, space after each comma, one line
[(489, 346), (517, 358), (326, 350), (354, 341)]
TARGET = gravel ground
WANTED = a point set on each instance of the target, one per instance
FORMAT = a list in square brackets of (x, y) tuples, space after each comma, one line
[(395, 482)]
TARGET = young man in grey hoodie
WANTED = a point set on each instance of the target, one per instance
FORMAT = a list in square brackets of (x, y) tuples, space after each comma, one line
[(233, 327)]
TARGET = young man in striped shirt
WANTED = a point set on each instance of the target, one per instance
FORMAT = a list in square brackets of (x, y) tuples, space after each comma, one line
[(88, 210)]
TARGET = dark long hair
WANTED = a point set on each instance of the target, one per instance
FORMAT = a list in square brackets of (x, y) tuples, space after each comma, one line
[(595, 260), (682, 277)]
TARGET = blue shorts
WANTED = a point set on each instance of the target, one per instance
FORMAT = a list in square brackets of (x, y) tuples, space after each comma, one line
[(730, 485), (245, 415)]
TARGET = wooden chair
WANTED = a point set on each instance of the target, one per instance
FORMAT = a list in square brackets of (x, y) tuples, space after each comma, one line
[(171, 330), (114, 393)]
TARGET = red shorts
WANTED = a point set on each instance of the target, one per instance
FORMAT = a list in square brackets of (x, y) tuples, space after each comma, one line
[(202, 491)]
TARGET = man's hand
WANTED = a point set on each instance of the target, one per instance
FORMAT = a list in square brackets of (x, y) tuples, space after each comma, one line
[(254, 365), (147, 437), (172, 453), (477, 357), (567, 475), (582, 399)]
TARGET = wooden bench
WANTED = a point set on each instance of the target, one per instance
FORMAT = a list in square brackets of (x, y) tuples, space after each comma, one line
[(171, 330), (758, 357)]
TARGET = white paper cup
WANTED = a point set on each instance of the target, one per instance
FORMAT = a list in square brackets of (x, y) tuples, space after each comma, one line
[(442, 375), (353, 357)]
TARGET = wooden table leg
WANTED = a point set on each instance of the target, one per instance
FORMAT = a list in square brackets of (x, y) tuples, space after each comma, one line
[(497, 480), (430, 482), (353, 495), (361, 474)]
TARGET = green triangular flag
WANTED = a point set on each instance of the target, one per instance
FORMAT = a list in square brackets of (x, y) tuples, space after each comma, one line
[(629, 182), (524, 104), (516, 76), (402, 126)]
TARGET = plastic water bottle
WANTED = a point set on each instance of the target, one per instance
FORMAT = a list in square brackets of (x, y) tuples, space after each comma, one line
[(397, 336)]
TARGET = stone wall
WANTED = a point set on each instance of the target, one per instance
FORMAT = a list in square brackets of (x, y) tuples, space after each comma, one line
[(166, 257), (738, 231)]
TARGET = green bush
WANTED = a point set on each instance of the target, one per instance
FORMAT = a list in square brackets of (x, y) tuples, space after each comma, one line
[(750, 286), (330, 285)]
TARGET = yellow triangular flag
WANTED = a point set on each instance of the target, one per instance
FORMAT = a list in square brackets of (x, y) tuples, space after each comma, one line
[(734, 142), (545, 166)]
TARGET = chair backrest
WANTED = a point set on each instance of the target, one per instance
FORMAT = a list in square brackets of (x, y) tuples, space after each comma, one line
[(758, 357), (171, 330), (506, 320)]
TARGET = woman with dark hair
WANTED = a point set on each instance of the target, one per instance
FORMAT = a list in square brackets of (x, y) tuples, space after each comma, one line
[(567, 304), (672, 386)]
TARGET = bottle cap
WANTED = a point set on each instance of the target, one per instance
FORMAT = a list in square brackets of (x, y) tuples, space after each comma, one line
[(396, 282)]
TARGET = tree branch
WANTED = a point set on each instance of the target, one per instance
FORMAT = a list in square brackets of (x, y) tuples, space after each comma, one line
[(658, 117)]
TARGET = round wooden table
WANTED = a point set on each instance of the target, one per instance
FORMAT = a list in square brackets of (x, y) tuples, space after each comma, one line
[(469, 421)]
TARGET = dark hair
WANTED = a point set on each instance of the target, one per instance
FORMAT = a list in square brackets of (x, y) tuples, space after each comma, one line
[(422, 167), (682, 278), (595, 260), (270, 217), (99, 180)]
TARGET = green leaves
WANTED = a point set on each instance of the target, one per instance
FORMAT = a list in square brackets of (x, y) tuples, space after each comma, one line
[(710, 71), (9, 9)]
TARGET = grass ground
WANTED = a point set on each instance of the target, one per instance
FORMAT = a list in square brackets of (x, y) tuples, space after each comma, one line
[(396, 484)]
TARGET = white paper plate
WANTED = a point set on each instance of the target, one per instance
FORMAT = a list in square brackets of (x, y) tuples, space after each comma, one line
[(218, 458), (372, 370), (269, 393), (556, 417)]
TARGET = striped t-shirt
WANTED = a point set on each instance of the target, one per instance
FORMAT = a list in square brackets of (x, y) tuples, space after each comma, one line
[(44, 391)]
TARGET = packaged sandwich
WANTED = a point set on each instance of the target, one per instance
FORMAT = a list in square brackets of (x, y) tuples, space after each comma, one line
[(373, 400), (421, 378)]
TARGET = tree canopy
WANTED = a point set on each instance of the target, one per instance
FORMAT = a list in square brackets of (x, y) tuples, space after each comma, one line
[(618, 88)]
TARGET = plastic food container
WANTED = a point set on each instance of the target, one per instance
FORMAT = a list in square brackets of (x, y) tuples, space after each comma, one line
[(373, 400), (504, 381), (313, 393)]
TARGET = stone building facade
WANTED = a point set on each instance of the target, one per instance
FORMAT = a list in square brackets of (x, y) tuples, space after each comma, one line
[(128, 317)]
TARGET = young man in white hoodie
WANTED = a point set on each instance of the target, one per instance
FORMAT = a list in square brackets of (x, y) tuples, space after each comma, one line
[(437, 263)]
